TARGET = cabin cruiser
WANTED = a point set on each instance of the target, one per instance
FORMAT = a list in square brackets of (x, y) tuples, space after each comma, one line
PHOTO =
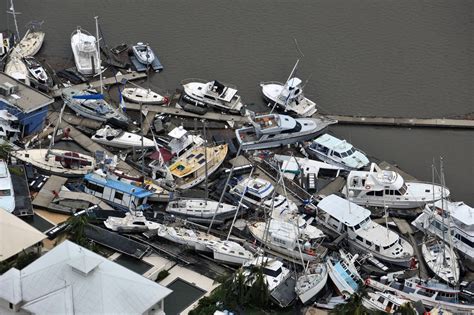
[(133, 222), (195, 240), (430, 292), (311, 282), (441, 260), (190, 169), (31, 43), (230, 252), (289, 96), (180, 141), (211, 94), (338, 152), (7, 194), (341, 216), (296, 165), (383, 188), (86, 55), (17, 69), (343, 273), (91, 105), (288, 240), (385, 302), (37, 72), (144, 96), (454, 216), (201, 210), (58, 162), (120, 139), (273, 130)]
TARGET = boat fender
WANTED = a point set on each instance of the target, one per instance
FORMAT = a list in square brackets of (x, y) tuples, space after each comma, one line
[(367, 186), (367, 282)]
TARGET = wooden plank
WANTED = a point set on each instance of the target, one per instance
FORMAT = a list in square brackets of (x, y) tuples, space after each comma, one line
[(46, 195)]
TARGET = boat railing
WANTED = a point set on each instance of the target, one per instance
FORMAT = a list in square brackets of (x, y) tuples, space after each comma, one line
[(270, 82)]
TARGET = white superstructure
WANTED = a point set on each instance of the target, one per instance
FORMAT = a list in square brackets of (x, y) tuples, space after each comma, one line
[(84, 48), (7, 194), (121, 139)]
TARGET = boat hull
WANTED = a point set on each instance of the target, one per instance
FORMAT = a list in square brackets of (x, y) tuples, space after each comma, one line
[(310, 294)]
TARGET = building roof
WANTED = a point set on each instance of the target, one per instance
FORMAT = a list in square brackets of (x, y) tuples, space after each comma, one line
[(73, 280), (130, 189), (343, 210), (16, 235), (27, 99)]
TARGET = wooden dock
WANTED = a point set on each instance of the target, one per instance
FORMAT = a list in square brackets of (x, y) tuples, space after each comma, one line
[(47, 193), (105, 82), (404, 122)]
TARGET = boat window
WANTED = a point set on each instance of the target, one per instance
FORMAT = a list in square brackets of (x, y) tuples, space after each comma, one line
[(380, 299), (118, 195), (252, 196), (357, 227), (403, 189), (271, 273), (297, 128), (360, 239), (138, 95), (336, 154), (94, 187), (344, 154), (371, 193), (200, 155), (5, 192), (397, 192), (138, 223), (368, 243), (377, 248), (464, 240)]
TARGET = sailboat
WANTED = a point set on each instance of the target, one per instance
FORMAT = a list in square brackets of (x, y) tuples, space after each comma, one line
[(31, 43), (311, 282), (17, 69)]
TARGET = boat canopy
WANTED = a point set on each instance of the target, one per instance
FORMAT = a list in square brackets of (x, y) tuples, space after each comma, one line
[(89, 97)]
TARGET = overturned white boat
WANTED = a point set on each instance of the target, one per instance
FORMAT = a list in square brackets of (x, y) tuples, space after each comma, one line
[(86, 55), (311, 282), (144, 96), (273, 130), (383, 188), (133, 222), (121, 139)]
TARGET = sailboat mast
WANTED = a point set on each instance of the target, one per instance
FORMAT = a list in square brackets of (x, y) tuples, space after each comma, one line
[(14, 13), (98, 52)]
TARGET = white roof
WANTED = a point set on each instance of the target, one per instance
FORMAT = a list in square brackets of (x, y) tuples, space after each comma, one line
[(343, 210), (73, 280), (177, 132), (458, 210), (16, 235), (10, 286)]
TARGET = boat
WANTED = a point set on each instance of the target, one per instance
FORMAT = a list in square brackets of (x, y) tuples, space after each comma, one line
[(144, 96), (91, 105), (201, 210), (340, 216), (289, 96), (343, 273), (120, 48), (57, 162), (195, 240), (306, 167), (17, 69), (385, 302), (441, 260), (31, 43), (9, 127), (384, 188), (190, 170), (445, 217), (37, 71), (133, 222), (274, 130), (332, 150), (85, 49), (7, 193), (430, 292), (118, 194), (212, 94), (120, 139), (146, 57), (311, 282), (331, 302), (289, 240), (7, 40), (230, 252)]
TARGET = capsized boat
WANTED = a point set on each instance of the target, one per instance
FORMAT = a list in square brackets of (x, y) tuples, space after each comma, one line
[(91, 105), (7, 193), (37, 71), (383, 188), (213, 94), (133, 222), (17, 69), (190, 169), (309, 284), (31, 43), (120, 139), (58, 162), (441, 260), (273, 130), (289, 96), (144, 96), (86, 55)]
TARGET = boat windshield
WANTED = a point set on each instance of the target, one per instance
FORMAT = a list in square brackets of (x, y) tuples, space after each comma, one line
[(5, 192), (348, 152), (271, 273), (403, 189)]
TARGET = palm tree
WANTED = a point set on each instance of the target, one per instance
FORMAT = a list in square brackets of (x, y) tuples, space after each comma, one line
[(258, 294), (77, 225), (5, 149), (354, 303), (406, 309)]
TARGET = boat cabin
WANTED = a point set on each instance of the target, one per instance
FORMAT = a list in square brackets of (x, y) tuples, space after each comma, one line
[(255, 190), (219, 92), (119, 194)]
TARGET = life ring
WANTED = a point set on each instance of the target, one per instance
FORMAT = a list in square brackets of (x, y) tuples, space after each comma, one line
[(310, 252), (367, 187), (367, 282)]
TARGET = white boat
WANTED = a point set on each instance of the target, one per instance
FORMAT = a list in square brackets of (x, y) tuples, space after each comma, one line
[(273, 271), (288, 240), (17, 69), (143, 53), (91, 105), (341, 216), (445, 215), (190, 169), (144, 96), (230, 252), (306, 166), (213, 94), (343, 273), (196, 240), (121, 139), (37, 71), (385, 302), (332, 150), (58, 162), (31, 43), (383, 188), (441, 260), (7, 193), (133, 222), (289, 96), (273, 130), (330, 303), (311, 282), (9, 124), (86, 56), (201, 209)]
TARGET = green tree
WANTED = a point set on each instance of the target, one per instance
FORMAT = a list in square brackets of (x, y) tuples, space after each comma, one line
[(354, 304), (258, 294), (5, 149), (406, 309), (77, 225)]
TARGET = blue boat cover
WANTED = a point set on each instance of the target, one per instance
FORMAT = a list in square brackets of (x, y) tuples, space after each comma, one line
[(89, 97)]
